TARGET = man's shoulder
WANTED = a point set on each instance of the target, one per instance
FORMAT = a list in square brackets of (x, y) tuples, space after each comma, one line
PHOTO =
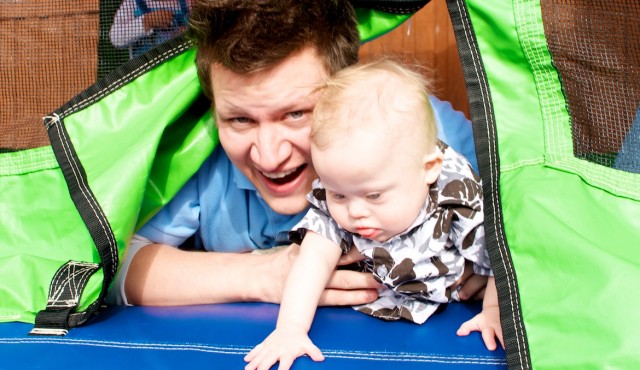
[(219, 179), (217, 167)]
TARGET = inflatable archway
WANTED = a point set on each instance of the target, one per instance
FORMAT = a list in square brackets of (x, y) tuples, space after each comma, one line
[(555, 131), (121, 159), (554, 90)]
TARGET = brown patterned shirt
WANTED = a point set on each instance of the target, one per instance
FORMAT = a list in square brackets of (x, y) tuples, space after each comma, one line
[(419, 265)]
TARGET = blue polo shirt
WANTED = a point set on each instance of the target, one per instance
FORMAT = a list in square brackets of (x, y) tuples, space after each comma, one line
[(224, 211), (222, 208)]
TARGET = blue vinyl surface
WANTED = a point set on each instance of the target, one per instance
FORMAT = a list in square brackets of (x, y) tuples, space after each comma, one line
[(218, 337)]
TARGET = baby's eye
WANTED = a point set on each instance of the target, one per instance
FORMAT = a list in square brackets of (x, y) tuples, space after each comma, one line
[(373, 196), (337, 196)]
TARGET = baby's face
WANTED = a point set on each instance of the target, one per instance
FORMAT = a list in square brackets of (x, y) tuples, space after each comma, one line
[(374, 188)]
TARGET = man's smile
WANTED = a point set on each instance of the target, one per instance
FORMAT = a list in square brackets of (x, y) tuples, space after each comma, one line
[(284, 177)]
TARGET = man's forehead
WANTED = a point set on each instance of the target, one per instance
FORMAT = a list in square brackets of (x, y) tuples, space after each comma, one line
[(266, 90), (301, 65)]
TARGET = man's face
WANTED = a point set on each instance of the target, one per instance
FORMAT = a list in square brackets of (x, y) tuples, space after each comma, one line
[(264, 120)]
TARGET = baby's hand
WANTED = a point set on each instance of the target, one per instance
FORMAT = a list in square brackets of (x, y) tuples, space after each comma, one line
[(283, 346), (487, 323)]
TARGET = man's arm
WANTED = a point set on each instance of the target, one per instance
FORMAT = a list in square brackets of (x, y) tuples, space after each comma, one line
[(472, 286), (162, 275)]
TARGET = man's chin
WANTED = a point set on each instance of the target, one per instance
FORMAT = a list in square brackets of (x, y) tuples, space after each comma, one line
[(289, 205)]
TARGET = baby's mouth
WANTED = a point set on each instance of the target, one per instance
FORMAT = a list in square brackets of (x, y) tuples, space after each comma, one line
[(280, 178), (367, 232)]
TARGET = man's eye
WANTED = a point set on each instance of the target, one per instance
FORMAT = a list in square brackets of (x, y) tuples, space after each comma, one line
[(373, 196), (239, 120), (297, 114)]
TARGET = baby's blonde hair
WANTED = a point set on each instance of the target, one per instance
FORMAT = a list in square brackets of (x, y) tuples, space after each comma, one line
[(352, 97)]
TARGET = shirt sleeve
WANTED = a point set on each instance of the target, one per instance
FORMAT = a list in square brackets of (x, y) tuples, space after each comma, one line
[(127, 28), (178, 220), (470, 242), (461, 197), (454, 129), (322, 224), (116, 294)]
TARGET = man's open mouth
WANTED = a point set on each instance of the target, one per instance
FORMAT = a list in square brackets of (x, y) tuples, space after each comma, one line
[(284, 177)]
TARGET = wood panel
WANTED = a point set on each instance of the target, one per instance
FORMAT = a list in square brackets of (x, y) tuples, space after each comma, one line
[(427, 39)]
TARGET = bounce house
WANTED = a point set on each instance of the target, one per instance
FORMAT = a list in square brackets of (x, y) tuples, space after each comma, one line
[(92, 144)]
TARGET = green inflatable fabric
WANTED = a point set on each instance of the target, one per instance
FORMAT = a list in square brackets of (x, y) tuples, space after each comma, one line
[(562, 232), (119, 151)]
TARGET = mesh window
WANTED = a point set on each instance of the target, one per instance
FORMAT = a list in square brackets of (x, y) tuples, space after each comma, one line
[(596, 48), (52, 50)]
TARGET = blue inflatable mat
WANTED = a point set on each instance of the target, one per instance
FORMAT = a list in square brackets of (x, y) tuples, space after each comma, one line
[(218, 337)]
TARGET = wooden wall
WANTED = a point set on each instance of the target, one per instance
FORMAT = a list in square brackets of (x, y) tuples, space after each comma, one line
[(427, 39), (48, 54)]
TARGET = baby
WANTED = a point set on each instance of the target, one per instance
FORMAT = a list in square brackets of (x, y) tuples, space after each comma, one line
[(410, 205)]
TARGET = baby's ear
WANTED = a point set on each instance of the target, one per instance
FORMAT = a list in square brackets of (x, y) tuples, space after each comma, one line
[(432, 166)]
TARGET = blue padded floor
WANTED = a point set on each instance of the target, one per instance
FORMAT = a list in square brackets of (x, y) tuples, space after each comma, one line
[(218, 337)]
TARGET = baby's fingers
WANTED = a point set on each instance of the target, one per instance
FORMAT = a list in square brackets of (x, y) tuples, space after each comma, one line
[(467, 327), (262, 361), (260, 358), (489, 338), (498, 334), (314, 352), (285, 363), (253, 353)]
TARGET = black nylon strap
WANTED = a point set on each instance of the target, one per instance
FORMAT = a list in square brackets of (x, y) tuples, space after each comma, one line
[(391, 6), (65, 291), (53, 317), (486, 141), (69, 281)]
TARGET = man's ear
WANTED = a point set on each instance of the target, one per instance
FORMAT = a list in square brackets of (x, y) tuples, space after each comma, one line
[(432, 166)]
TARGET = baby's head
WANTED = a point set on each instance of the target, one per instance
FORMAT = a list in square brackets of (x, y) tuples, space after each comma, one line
[(373, 144)]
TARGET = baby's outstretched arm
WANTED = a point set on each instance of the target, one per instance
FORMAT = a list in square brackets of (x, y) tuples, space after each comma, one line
[(305, 283), (486, 322), (283, 345)]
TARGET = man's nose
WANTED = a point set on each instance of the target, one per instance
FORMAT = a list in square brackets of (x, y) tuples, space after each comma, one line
[(270, 147)]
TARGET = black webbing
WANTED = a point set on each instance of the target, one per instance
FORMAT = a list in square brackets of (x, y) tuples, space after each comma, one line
[(69, 281), (391, 6), (486, 141), (65, 292)]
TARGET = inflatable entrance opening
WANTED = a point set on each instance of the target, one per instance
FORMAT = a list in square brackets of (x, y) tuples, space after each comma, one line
[(102, 121)]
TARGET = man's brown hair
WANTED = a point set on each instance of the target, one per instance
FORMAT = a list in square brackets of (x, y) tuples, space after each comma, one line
[(247, 36)]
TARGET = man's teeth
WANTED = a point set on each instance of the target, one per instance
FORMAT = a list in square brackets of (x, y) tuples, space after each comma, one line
[(279, 175)]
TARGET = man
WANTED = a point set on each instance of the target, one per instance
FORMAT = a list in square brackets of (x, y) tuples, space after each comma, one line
[(259, 62)]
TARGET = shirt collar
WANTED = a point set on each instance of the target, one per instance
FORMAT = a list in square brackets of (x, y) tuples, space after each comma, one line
[(241, 181)]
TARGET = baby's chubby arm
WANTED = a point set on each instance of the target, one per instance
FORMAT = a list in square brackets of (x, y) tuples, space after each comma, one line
[(306, 282)]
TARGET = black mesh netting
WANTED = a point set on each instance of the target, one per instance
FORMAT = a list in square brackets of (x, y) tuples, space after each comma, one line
[(595, 45), (52, 50)]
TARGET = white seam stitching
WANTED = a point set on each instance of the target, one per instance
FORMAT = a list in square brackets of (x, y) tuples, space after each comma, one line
[(493, 172)]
